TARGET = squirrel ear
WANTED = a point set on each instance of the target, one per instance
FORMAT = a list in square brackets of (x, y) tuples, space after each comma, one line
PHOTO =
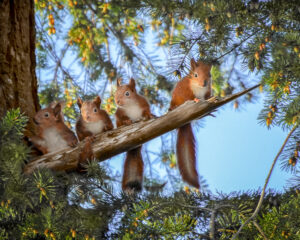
[(79, 102), (193, 64), (57, 110), (119, 81), (97, 101), (132, 83)]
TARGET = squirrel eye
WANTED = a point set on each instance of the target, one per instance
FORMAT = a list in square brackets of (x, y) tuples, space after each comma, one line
[(127, 93), (195, 74), (95, 110), (46, 114)]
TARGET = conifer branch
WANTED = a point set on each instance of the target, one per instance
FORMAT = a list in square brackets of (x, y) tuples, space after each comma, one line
[(122, 139), (259, 204)]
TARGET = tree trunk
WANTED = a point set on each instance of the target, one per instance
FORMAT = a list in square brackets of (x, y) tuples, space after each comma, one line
[(18, 83)]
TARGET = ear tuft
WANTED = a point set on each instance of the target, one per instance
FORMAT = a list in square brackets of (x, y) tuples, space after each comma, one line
[(132, 83), (57, 110), (193, 64), (119, 82), (79, 102), (97, 101)]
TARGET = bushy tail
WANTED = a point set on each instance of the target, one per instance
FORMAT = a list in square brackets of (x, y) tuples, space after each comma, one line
[(133, 171), (186, 155)]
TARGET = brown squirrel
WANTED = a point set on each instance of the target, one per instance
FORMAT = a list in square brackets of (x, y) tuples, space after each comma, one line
[(195, 86), (92, 121), (132, 107), (52, 133)]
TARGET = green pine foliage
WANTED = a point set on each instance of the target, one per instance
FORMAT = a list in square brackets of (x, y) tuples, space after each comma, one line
[(51, 205), (108, 39)]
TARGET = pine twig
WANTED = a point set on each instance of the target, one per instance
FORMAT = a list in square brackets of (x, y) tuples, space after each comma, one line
[(259, 204)]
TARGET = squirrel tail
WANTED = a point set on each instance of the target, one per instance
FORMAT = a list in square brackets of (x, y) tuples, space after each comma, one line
[(133, 171), (186, 155)]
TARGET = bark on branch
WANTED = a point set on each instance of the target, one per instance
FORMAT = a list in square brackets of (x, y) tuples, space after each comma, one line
[(122, 139)]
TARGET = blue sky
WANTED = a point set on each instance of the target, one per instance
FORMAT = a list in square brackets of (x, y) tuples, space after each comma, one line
[(234, 152)]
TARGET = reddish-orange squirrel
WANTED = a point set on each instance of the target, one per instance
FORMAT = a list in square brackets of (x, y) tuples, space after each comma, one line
[(92, 121), (195, 86), (132, 107), (52, 133)]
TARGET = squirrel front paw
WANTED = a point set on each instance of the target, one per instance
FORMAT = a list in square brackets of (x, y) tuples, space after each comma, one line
[(91, 138), (73, 142), (127, 122)]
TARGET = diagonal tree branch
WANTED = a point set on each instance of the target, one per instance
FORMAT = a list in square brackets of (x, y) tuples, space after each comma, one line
[(122, 139)]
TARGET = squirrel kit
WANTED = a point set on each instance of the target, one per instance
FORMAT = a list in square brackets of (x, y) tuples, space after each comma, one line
[(195, 86), (52, 133), (92, 121), (132, 107)]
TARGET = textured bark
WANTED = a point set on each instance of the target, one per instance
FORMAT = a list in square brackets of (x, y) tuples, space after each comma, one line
[(125, 138), (18, 84)]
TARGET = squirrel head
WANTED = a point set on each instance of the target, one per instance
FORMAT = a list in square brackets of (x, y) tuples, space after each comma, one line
[(90, 110), (200, 73), (48, 116), (125, 94)]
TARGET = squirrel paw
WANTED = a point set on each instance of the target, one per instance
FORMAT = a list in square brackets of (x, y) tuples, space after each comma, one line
[(127, 122), (197, 100), (74, 142), (90, 139)]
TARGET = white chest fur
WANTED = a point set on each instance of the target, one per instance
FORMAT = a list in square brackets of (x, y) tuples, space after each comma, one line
[(94, 127), (199, 91), (133, 111), (53, 140)]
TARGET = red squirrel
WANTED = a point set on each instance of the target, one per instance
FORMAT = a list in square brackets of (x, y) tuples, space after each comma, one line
[(92, 121), (195, 86), (132, 107), (52, 133)]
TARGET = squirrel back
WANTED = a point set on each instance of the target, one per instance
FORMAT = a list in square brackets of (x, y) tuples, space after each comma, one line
[(52, 133), (196, 85), (132, 107)]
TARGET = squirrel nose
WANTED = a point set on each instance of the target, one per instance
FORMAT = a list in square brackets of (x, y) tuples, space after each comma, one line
[(118, 102), (88, 117)]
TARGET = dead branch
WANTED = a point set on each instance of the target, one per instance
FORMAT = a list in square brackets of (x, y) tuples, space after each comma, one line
[(122, 139)]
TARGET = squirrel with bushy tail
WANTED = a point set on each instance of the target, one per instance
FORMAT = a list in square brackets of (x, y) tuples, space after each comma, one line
[(195, 86)]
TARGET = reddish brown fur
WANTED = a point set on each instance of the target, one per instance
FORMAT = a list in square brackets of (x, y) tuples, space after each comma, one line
[(123, 101), (90, 113), (200, 76), (182, 91), (188, 171), (134, 165), (51, 118)]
